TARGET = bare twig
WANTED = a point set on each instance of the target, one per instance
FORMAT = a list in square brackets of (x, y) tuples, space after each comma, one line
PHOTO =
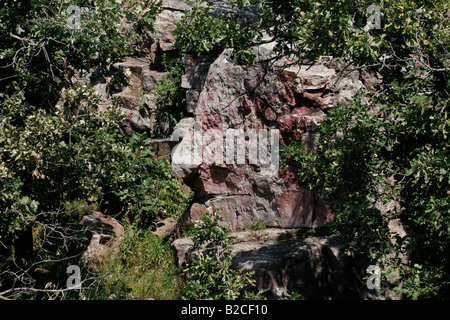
[(6, 295)]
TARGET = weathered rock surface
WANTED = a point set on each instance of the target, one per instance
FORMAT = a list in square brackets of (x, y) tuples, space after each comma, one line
[(272, 102), (289, 98), (165, 227), (138, 103), (311, 267), (282, 102), (286, 100), (105, 231), (317, 267)]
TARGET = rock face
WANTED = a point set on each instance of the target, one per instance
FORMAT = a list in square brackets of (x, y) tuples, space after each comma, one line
[(227, 151), (312, 267), (240, 116), (315, 267)]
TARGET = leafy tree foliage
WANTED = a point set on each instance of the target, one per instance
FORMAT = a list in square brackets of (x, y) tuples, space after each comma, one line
[(62, 154), (44, 44), (210, 275)]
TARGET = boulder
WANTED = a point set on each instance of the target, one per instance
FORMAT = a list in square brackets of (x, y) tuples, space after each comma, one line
[(294, 209), (318, 268), (105, 231), (164, 228), (313, 267)]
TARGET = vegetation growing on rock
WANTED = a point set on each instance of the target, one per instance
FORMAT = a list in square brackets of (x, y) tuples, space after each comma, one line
[(381, 160)]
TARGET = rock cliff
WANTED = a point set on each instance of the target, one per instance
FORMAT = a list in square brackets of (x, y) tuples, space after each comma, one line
[(227, 150)]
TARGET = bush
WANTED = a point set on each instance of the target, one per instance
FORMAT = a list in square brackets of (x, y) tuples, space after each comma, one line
[(210, 275), (395, 151), (77, 156), (62, 155), (201, 31)]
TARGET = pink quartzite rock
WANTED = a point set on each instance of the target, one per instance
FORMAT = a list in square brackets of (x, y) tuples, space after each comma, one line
[(228, 97)]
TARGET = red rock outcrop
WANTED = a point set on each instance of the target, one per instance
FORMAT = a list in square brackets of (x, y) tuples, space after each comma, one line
[(254, 108)]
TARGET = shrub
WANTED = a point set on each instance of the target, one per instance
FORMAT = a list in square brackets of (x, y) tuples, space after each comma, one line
[(210, 275), (201, 31), (57, 164), (60, 153), (397, 153)]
